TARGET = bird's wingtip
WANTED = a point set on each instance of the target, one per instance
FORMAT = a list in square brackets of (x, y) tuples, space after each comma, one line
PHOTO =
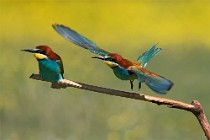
[(60, 26), (54, 25)]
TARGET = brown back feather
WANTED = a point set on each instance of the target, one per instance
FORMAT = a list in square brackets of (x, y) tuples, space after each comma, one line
[(121, 61)]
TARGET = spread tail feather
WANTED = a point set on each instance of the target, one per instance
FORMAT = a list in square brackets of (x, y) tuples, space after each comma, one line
[(155, 82), (158, 84)]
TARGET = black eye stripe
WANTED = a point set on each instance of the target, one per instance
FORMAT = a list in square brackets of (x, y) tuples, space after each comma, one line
[(40, 51), (110, 59)]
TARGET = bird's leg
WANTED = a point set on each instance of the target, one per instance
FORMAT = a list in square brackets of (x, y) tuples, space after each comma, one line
[(131, 82), (139, 85)]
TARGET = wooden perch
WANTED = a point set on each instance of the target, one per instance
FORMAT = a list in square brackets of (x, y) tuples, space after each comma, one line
[(195, 107)]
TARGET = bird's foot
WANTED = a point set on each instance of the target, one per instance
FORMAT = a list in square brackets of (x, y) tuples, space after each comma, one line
[(139, 86), (131, 82)]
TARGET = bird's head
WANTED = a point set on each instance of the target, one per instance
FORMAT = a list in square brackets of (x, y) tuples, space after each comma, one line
[(43, 52), (112, 60)]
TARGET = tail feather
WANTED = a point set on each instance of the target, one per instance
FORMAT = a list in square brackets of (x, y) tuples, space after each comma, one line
[(148, 55), (158, 84), (155, 82)]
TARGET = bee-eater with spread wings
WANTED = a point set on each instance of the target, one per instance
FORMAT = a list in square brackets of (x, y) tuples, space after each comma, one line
[(123, 68)]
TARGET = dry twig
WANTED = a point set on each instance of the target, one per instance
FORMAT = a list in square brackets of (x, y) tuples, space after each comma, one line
[(195, 107)]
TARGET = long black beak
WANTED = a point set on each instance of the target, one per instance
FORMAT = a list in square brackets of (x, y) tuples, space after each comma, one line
[(31, 50), (99, 57)]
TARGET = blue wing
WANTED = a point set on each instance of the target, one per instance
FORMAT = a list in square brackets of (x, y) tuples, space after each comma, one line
[(78, 39), (148, 55), (155, 82)]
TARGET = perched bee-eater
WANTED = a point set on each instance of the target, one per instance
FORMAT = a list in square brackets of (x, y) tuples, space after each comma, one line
[(50, 67), (123, 68), (50, 63)]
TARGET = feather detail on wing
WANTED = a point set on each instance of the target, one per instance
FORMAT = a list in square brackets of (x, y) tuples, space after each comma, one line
[(60, 63), (148, 55), (78, 39), (156, 82)]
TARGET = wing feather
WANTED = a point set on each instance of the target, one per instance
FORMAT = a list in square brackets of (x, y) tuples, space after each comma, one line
[(148, 55), (79, 39)]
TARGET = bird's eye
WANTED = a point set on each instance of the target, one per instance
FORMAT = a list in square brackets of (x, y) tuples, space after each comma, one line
[(110, 59), (42, 52)]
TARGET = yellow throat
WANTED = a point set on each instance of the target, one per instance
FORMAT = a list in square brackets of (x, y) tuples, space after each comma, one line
[(111, 64), (40, 56)]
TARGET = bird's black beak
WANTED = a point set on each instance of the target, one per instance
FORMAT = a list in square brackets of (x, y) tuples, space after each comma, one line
[(31, 50)]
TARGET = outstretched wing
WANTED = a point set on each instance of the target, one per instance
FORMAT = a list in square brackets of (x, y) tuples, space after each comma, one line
[(155, 82), (148, 55), (78, 39)]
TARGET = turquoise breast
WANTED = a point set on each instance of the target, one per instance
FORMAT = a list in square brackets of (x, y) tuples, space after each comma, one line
[(123, 74), (50, 70)]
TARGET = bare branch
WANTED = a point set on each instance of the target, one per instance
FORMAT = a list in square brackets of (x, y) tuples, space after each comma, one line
[(195, 107)]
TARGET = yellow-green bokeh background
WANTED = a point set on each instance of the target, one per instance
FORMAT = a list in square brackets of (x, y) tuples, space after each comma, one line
[(30, 110)]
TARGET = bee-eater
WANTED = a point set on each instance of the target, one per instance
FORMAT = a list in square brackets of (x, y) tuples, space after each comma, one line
[(50, 63), (50, 67), (123, 68)]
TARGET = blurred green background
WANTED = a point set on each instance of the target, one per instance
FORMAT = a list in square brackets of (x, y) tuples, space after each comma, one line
[(31, 110)]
